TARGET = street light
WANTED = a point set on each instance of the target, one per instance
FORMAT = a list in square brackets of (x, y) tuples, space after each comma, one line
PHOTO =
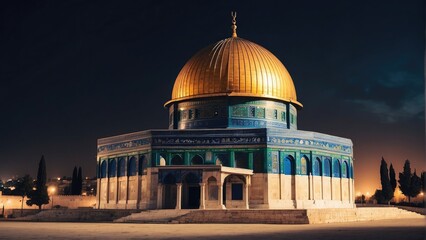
[(51, 191)]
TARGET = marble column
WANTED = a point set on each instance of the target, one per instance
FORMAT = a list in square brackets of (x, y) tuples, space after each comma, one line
[(178, 195), (202, 196), (311, 187), (246, 192), (220, 196)]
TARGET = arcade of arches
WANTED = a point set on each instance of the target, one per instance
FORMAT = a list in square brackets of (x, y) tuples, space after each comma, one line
[(201, 187)]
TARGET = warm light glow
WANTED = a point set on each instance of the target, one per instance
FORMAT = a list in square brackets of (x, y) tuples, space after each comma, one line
[(59, 178), (421, 193), (51, 190), (367, 194), (358, 194)]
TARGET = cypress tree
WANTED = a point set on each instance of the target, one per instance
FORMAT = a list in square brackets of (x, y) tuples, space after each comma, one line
[(392, 178), (79, 182), (39, 196), (387, 192), (405, 180), (74, 183), (416, 184)]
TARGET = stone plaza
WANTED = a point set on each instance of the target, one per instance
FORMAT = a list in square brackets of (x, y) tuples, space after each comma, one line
[(407, 229)]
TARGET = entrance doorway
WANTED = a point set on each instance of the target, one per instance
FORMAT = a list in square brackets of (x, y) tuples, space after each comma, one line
[(190, 192), (169, 197)]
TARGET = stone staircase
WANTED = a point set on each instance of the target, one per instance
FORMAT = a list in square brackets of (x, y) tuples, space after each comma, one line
[(378, 213), (302, 216), (359, 214), (76, 215), (154, 216), (245, 216), (293, 216)]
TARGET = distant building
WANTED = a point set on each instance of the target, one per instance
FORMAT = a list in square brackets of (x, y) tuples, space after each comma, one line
[(232, 142), (63, 185)]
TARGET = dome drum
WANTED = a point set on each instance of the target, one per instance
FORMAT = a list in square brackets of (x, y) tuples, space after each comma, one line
[(230, 112), (233, 83)]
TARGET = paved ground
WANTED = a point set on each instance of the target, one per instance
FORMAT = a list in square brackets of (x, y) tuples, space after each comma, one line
[(383, 229)]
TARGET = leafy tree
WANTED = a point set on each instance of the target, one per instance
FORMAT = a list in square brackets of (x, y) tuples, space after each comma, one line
[(386, 192), (79, 182), (74, 184), (392, 178), (423, 179), (39, 196), (410, 184), (23, 188), (378, 195)]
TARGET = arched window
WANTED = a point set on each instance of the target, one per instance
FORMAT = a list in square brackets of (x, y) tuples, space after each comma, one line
[(104, 169), (142, 164), (317, 171), (327, 167), (212, 188), (289, 167), (122, 166), (197, 160), (112, 168), (177, 160), (345, 170), (162, 161), (336, 169), (304, 166), (131, 171)]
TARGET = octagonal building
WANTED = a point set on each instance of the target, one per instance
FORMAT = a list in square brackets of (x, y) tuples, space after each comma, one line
[(232, 143)]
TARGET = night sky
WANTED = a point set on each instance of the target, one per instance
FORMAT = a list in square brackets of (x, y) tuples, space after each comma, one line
[(75, 71)]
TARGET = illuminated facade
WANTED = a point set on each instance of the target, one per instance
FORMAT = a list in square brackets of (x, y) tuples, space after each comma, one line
[(232, 143)]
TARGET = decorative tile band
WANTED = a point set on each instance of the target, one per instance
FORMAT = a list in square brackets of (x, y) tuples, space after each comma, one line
[(283, 141), (226, 139)]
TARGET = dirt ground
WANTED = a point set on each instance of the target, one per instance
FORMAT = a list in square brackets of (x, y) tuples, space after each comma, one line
[(383, 229)]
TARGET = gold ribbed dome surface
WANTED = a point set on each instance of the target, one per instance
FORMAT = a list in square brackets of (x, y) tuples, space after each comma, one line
[(234, 67)]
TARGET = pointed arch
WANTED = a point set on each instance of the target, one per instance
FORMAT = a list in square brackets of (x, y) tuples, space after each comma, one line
[(177, 160), (112, 168), (197, 160), (304, 165), (104, 169), (317, 169), (142, 164), (337, 171), (327, 167), (289, 165), (122, 166), (345, 170), (131, 169)]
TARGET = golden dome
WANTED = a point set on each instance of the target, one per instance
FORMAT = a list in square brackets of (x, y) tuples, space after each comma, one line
[(234, 67)]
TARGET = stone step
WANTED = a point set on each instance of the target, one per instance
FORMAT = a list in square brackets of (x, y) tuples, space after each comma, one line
[(154, 216), (77, 215)]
